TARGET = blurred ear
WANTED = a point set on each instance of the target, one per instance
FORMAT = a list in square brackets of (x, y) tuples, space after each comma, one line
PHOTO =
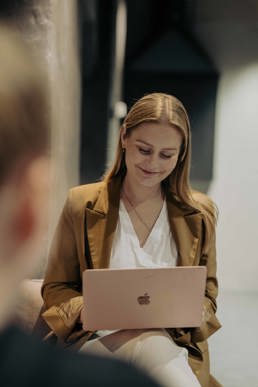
[(30, 211), (24, 221)]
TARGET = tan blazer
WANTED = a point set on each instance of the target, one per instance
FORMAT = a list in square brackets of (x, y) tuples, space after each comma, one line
[(95, 207)]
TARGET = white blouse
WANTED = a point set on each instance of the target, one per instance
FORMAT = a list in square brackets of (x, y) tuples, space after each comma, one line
[(159, 249)]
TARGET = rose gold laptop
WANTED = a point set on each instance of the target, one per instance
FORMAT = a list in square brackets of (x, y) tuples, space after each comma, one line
[(143, 298)]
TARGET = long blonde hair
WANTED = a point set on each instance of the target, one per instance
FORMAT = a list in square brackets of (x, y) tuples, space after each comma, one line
[(160, 108)]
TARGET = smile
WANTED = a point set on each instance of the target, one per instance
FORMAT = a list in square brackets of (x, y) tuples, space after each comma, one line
[(150, 173)]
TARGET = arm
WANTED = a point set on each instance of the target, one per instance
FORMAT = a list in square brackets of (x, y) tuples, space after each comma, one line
[(209, 324), (61, 289)]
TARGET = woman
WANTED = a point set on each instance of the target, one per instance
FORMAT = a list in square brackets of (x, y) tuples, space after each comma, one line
[(144, 206)]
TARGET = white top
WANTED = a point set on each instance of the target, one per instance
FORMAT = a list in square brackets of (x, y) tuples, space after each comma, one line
[(159, 249)]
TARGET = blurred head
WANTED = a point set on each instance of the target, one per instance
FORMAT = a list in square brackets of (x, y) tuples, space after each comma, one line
[(161, 121), (24, 163), (23, 110)]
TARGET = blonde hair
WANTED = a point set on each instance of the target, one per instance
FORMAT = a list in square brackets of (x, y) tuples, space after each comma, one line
[(160, 108), (24, 113)]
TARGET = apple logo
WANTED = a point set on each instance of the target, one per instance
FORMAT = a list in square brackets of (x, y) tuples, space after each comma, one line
[(144, 300)]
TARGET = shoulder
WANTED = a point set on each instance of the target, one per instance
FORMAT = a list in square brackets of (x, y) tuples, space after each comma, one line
[(195, 208), (66, 368), (209, 213), (84, 195), (102, 371), (205, 204), (201, 197), (86, 192)]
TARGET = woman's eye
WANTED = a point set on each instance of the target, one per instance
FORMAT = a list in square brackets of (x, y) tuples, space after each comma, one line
[(166, 156), (144, 151)]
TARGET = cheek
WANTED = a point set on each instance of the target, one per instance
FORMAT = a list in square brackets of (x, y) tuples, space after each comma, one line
[(170, 165), (133, 156)]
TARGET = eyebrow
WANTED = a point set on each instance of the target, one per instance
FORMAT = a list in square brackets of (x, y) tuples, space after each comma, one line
[(146, 143)]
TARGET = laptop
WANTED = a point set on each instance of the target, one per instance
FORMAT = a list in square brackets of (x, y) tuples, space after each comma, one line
[(137, 298)]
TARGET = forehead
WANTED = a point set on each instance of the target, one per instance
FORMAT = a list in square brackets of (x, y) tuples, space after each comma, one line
[(158, 134)]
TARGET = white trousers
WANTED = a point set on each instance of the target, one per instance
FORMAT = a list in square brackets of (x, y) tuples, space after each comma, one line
[(153, 350)]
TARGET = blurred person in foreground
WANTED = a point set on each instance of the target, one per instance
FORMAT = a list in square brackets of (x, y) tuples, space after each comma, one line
[(24, 166)]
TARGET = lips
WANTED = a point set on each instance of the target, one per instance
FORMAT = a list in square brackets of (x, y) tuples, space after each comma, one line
[(149, 173)]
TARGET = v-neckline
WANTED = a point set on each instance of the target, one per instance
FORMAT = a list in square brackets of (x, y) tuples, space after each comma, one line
[(133, 229)]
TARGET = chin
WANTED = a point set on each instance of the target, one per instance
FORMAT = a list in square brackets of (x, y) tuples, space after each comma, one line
[(149, 182)]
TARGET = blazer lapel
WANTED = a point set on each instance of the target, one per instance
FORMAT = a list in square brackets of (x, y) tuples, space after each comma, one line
[(186, 230), (101, 221), (102, 218)]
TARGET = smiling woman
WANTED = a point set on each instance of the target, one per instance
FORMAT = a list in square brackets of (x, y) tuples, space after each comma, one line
[(151, 154), (152, 151), (142, 214)]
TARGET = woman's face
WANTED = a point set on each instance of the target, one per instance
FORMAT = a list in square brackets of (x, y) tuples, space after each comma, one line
[(151, 152)]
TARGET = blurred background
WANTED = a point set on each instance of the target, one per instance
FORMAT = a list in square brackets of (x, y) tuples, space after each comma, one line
[(103, 55)]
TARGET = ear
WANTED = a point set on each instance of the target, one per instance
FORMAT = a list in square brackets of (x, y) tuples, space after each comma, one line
[(32, 204), (123, 136), (17, 222), (24, 221)]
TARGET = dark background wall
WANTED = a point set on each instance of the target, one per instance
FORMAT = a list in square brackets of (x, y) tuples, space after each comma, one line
[(97, 25)]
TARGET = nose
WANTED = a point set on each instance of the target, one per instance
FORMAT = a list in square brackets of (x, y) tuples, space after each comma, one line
[(152, 163)]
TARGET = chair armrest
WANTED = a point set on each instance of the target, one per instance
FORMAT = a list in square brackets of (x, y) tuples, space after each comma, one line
[(29, 304)]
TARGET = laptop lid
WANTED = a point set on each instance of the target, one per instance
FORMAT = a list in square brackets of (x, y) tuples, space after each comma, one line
[(143, 297)]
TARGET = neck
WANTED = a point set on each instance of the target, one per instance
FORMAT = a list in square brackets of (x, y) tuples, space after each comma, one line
[(140, 194)]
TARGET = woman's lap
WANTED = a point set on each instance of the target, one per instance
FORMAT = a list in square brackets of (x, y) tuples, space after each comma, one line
[(151, 349)]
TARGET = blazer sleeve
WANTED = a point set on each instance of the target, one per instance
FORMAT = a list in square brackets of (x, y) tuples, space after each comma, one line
[(210, 323), (61, 288)]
